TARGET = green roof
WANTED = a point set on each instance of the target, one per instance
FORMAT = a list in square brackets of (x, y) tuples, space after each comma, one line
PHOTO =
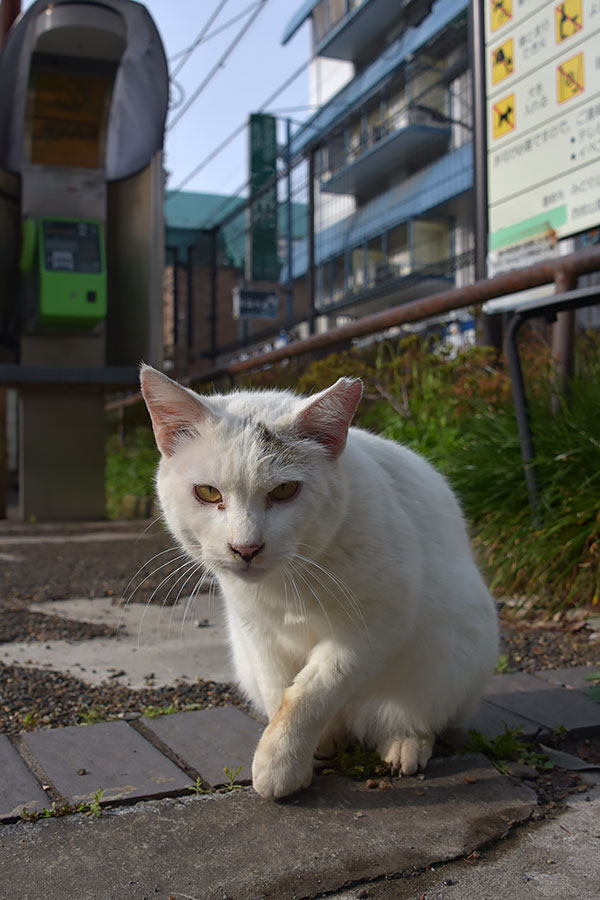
[(188, 213)]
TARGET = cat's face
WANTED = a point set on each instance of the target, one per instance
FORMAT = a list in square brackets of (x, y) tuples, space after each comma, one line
[(249, 482)]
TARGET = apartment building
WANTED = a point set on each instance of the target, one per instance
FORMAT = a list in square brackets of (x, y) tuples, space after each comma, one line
[(389, 153)]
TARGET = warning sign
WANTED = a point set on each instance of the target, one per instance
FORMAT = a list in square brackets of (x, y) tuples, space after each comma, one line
[(503, 112), (502, 62), (568, 17), (500, 13), (569, 78)]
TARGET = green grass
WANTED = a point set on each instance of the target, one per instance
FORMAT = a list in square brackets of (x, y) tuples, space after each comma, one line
[(130, 468)]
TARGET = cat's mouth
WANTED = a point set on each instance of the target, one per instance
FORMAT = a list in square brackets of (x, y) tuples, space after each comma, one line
[(246, 571)]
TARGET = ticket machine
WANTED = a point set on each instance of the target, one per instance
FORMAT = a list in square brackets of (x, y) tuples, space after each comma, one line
[(83, 102)]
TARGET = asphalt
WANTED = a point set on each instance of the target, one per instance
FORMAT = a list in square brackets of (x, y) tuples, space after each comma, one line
[(178, 819)]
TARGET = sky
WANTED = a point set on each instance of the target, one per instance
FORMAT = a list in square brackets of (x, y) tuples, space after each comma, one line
[(257, 66)]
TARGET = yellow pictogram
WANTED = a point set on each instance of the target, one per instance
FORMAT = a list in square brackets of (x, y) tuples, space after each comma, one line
[(500, 13), (570, 78), (503, 115), (568, 18), (502, 61)]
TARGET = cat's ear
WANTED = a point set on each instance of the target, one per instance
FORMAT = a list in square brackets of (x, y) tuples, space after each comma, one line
[(174, 410), (327, 417)]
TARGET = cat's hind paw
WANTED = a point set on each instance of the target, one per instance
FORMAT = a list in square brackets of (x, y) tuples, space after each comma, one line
[(407, 755)]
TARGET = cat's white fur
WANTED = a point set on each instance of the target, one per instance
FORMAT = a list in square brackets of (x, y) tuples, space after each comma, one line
[(363, 613)]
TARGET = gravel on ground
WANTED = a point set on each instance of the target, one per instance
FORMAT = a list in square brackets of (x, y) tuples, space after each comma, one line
[(98, 560)]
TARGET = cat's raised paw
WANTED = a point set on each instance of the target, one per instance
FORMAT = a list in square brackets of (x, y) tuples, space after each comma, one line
[(275, 781), (407, 755), (276, 769)]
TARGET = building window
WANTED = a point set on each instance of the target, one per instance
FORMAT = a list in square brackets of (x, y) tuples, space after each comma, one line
[(375, 261), (431, 242), (323, 285), (337, 11), (338, 288), (320, 17), (398, 251), (357, 272)]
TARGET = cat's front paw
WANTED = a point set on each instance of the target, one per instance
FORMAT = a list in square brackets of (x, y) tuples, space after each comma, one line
[(276, 769)]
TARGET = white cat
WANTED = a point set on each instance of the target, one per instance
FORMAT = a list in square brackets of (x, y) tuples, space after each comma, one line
[(353, 604)]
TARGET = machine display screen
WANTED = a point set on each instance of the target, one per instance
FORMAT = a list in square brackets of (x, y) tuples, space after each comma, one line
[(72, 247)]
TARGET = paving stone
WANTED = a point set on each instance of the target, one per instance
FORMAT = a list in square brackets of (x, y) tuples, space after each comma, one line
[(538, 700), (18, 788), (239, 846), (210, 739), (111, 755), (572, 678), (491, 720)]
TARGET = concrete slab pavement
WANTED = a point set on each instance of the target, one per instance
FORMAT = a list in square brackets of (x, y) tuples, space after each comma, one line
[(238, 846), (338, 839), (182, 642)]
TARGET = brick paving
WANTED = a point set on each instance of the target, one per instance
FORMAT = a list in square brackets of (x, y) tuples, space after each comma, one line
[(154, 758)]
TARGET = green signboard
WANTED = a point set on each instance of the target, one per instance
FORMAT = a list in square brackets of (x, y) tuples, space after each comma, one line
[(263, 255)]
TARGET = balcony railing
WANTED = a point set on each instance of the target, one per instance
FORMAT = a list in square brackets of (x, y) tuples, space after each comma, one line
[(406, 120)]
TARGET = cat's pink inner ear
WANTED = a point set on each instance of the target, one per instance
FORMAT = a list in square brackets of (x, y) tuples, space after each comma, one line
[(173, 410), (327, 418)]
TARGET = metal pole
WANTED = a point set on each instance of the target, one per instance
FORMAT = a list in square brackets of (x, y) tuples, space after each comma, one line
[(9, 11), (214, 246), (563, 342), (491, 325), (477, 54), (311, 241), (522, 414), (190, 303), (289, 225)]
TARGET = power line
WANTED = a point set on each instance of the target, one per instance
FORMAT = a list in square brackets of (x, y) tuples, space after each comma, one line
[(201, 36), (208, 37), (202, 165), (218, 65)]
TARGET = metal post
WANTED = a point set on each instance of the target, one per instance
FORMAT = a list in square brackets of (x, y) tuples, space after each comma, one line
[(3, 454), (522, 413), (492, 325), (289, 225), (563, 342), (9, 10), (190, 303), (214, 247), (311, 241), (175, 298)]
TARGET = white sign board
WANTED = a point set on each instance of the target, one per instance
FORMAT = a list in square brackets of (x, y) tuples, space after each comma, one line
[(543, 96)]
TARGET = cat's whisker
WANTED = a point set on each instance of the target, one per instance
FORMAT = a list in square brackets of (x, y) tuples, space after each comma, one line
[(195, 566), (300, 605), (126, 600), (348, 593), (193, 596), (305, 579), (184, 565), (149, 526), (296, 596), (351, 606)]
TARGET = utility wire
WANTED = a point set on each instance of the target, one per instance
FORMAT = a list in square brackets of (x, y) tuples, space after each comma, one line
[(208, 37), (218, 65), (202, 165), (201, 36)]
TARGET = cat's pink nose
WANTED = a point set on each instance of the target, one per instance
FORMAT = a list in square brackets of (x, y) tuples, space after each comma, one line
[(247, 551)]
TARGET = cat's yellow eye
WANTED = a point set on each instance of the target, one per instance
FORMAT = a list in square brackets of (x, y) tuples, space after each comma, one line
[(207, 493), (285, 491)]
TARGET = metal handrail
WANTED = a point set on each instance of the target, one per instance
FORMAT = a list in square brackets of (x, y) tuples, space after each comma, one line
[(582, 262)]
